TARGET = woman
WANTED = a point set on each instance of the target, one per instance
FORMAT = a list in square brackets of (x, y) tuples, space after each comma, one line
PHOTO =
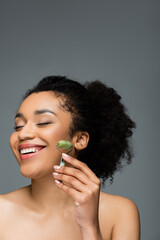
[(65, 202)]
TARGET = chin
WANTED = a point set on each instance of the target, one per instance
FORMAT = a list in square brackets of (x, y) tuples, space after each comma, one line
[(28, 174), (32, 173)]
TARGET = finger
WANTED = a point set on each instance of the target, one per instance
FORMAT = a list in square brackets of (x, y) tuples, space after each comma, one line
[(82, 166), (79, 197), (78, 174), (72, 192), (73, 182)]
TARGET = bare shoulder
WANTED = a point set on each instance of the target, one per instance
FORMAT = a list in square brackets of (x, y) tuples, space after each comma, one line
[(124, 215), (11, 206), (11, 196), (118, 203), (10, 200)]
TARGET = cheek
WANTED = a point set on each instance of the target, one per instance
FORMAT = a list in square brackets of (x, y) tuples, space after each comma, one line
[(12, 141), (53, 135)]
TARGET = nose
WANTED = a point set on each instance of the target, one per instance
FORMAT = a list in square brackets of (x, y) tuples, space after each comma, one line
[(27, 132)]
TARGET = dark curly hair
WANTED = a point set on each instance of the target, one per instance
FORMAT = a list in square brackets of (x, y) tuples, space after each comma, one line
[(97, 109)]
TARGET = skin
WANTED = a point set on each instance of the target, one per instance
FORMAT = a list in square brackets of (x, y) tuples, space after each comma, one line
[(64, 201)]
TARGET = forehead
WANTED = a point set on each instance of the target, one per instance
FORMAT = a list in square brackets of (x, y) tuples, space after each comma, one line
[(40, 100)]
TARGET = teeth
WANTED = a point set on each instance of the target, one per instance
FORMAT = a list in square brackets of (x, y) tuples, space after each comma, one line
[(28, 150)]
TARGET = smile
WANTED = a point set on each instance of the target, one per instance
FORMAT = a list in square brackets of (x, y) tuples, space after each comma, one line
[(27, 152)]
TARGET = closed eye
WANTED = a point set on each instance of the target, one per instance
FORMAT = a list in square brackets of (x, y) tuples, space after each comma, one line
[(44, 123), (17, 127), (38, 124)]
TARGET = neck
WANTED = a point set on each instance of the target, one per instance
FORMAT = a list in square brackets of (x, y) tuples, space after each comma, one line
[(47, 196)]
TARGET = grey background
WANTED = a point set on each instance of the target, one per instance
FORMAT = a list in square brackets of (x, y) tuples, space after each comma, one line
[(116, 42)]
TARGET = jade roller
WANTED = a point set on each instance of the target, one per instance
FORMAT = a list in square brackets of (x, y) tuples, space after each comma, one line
[(64, 145)]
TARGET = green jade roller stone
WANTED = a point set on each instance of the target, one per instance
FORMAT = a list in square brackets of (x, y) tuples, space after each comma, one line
[(64, 144)]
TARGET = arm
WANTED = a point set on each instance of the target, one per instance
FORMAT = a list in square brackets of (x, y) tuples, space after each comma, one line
[(84, 187)]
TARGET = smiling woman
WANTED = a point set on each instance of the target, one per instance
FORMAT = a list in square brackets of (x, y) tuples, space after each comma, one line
[(66, 200), (39, 124)]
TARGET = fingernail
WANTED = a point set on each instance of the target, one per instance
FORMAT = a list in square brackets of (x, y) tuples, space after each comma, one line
[(56, 167), (65, 155), (55, 174), (76, 203), (57, 182)]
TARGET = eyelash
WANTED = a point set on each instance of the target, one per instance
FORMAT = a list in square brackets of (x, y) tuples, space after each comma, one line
[(45, 123), (17, 127), (39, 124)]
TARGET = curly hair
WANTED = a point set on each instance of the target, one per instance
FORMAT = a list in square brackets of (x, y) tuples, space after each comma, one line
[(97, 109)]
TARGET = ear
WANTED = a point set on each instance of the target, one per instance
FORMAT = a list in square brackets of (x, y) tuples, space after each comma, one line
[(80, 140)]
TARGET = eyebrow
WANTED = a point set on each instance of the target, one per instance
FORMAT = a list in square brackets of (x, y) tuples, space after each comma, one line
[(37, 112)]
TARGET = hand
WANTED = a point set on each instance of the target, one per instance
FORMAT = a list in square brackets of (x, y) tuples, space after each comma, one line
[(84, 187)]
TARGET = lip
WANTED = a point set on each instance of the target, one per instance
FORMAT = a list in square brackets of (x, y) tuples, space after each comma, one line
[(30, 155), (29, 145)]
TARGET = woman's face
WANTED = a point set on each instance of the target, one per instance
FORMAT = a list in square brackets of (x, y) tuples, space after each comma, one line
[(40, 123)]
